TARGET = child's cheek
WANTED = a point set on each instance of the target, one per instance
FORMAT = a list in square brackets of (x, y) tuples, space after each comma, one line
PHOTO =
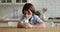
[(29, 16)]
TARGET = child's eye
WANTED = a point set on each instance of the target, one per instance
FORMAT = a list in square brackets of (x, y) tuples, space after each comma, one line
[(29, 13)]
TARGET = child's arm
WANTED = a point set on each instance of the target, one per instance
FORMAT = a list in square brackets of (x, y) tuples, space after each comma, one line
[(41, 25), (20, 25)]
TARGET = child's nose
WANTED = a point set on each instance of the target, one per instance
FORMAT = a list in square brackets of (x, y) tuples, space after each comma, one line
[(26, 15)]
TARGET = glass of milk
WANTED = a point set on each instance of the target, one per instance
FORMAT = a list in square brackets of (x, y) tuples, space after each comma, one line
[(26, 20)]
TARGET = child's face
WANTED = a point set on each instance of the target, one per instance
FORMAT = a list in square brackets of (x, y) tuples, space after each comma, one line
[(28, 14)]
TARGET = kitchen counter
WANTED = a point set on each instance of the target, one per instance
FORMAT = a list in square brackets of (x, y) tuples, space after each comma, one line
[(52, 20), (16, 20), (9, 20), (35, 29)]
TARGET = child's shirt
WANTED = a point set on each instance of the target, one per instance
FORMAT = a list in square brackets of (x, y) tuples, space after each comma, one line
[(33, 21)]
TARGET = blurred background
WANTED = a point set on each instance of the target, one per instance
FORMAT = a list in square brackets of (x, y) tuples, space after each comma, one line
[(11, 11)]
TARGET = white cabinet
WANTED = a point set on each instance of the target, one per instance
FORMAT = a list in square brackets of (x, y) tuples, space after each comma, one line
[(8, 24), (21, 1), (52, 23), (57, 24), (49, 24), (3, 24), (6, 1), (12, 24), (13, 2)]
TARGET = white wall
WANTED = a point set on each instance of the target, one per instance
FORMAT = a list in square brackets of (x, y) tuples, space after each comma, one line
[(7, 11), (53, 7)]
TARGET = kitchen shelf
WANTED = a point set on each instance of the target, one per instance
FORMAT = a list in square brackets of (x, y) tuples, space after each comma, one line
[(8, 27), (52, 20), (12, 4), (9, 20)]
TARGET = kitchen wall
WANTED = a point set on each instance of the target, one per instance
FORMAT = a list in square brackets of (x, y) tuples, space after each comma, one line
[(53, 7), (7, 11)]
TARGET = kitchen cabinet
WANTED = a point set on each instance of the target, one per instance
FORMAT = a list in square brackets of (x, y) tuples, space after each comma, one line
[(21, 1), (57, 24), (3, 24), (52, 23), (9, 23), (13, 2), (49, 24), (6, 1), (13, 24)]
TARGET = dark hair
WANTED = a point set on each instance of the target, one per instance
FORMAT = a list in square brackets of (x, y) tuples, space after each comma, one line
[(28, 6)]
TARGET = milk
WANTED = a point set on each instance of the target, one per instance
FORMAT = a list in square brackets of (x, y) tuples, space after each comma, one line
[(26, 20)]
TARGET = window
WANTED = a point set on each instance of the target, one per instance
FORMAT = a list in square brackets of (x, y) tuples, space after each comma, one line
[(13, 1), (18, 1), (21, 1), (6, 1), (9, 1), (3, 1), (24, 0)]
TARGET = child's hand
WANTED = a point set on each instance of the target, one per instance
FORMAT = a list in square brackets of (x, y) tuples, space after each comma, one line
[(27, 25)]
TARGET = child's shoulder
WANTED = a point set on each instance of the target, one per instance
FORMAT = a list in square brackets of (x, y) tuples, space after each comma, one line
[(35, 16)]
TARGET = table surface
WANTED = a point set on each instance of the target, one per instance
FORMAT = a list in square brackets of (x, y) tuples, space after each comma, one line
[(17, 20), (47, 29)]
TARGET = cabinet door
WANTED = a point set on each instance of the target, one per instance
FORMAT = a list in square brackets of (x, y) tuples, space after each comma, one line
[(18, 1), (3, 24), (49, 24), (3, 1), (13, 24), (57, 24), (6, 1), (21, 1), (9, 1)]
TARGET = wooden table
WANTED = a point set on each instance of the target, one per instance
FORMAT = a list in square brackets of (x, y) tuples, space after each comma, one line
[(47, 29)]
